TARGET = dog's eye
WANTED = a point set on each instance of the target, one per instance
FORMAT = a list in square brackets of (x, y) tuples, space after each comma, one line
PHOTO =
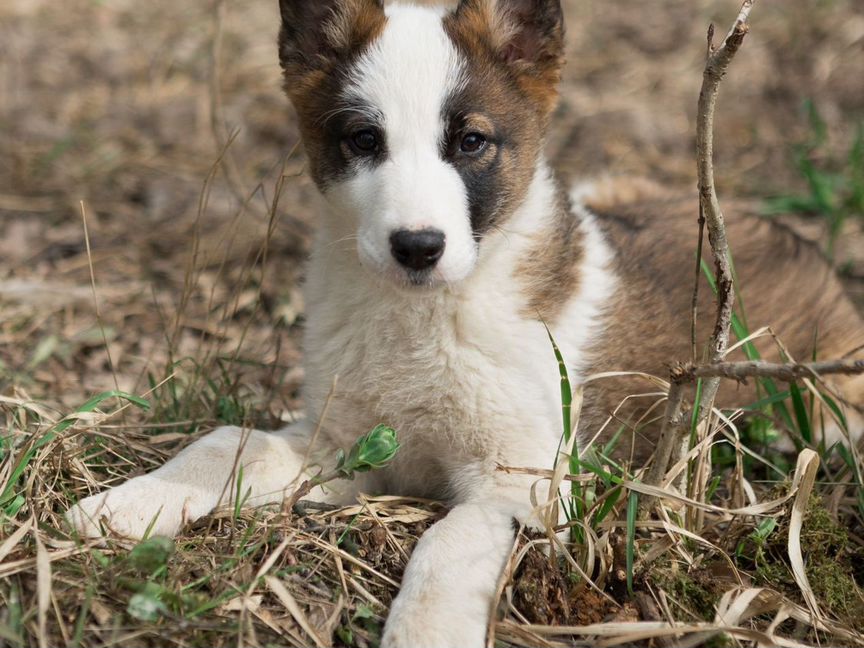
[(473, 143), (364, 142)]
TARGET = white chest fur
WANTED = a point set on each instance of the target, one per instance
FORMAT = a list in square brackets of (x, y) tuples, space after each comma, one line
[(462, 374)]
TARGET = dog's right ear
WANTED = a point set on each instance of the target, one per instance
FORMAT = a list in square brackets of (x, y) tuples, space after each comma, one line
[(316, 33)]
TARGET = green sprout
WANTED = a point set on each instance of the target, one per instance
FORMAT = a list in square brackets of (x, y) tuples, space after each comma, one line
[(371, 451)]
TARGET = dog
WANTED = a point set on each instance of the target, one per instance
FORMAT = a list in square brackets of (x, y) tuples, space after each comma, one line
[(446, 246)]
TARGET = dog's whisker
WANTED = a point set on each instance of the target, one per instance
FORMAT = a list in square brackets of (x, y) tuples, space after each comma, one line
[(344, 239)]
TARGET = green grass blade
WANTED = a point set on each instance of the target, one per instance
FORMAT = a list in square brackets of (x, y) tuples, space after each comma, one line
[(768, 400), (566, 390), (8, 493), (577, 502), (632, 509), (801, 415), (608, 504), (96, 401), (741, 333)]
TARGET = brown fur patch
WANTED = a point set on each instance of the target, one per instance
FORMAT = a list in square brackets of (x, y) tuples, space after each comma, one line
[(318, 43), (354, 25), (525, 37), (784, 282), (502, 93), (497, 180), (316, 35), (550, 269)]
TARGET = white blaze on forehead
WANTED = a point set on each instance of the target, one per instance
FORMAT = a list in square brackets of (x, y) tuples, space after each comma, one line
[(407, 75), (405, 79)]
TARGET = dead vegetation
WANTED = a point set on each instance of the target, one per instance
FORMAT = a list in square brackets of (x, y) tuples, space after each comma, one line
[(188, 299)]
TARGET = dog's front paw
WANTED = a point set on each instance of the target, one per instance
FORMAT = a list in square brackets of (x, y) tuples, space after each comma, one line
[(141, 504), (411, 626)]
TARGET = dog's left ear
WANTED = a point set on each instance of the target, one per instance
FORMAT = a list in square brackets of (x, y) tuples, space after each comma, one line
[(526, 35)]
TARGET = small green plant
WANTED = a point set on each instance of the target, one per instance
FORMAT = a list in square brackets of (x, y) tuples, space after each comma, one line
[(145, 573), (151, 556), (202, 391), (365, 619), (371, 451), (757, 541), (835, 184)]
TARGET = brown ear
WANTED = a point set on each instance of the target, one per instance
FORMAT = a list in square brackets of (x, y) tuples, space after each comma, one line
[(317, 32), (526, 35)]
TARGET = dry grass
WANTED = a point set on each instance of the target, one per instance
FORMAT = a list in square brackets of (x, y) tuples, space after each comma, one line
[(189, 298)]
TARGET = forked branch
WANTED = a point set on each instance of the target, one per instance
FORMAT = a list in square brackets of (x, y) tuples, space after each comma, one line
[(676, 422), (674, 425), (715, 69)]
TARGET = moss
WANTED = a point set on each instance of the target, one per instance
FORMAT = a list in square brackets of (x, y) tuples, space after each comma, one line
[(720, 641), (829, 559), (820, 533), (692, 591), (774, 574), (836, 590)]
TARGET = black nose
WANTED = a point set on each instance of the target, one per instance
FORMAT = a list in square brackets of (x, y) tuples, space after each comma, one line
[(417, 250)]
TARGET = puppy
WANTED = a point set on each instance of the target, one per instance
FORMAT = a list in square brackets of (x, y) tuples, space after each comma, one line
[(444, 246)]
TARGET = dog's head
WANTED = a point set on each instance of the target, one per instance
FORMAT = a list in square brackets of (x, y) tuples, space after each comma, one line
[(422, 126)]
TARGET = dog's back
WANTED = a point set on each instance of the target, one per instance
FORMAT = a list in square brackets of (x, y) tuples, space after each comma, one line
[(782, 281)]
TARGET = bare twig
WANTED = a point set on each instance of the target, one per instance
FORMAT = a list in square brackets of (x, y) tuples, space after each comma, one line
[(786, 372), (715, 69), (96, 297), (694, 303), (674, 425), (670, 433), (306, 487), (217, 118)]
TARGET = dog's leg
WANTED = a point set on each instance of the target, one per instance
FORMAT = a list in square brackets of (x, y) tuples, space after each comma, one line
[(200, 478), (448, 588)]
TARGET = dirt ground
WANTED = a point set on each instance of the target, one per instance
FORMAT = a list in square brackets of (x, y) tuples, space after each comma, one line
[(115, 115)]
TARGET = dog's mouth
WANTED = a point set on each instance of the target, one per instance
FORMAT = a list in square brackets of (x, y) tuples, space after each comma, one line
[(421, 278), (412, 281)]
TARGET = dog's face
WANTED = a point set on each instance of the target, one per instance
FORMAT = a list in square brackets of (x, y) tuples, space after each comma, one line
[(422, 126)]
